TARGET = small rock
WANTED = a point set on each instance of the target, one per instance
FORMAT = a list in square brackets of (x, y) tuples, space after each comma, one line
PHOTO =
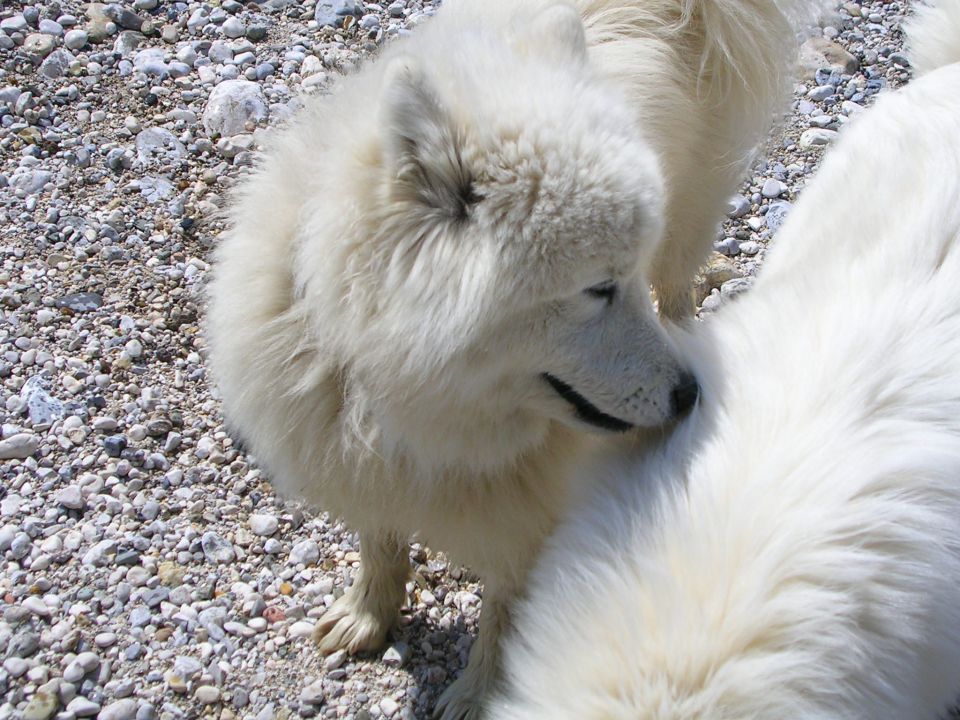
[(216, 549), (233, 104), (81, 302), (233, 28), (399, 652), (207, 695), (71, 498), (19, 446), (305, 552), (777, 214), (125, 709), (81, 707), (304, 629), (39, 45), (75, 39), (42, 706), (817, 137), (36, 606), (263, 525), (312, 694), (818, 53)]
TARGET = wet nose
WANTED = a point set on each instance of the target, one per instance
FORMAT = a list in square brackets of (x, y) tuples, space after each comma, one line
[(684, 394)]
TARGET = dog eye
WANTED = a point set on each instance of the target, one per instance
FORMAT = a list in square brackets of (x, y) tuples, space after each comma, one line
[(607, 290)]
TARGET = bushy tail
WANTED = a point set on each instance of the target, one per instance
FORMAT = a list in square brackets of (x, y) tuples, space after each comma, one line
[(933, 34)]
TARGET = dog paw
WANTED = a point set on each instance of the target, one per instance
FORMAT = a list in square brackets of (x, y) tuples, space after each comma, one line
[(347, 625), (460, 701)]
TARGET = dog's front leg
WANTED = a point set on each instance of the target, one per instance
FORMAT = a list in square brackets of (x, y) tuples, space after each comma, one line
[(360, 620)]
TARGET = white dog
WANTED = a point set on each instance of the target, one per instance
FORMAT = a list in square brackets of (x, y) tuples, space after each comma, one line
[(438, 277), (793, 551)]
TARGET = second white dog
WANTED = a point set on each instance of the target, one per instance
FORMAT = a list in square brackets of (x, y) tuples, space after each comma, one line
[(794, 550)]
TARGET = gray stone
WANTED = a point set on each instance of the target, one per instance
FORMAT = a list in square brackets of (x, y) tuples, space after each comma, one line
[(81, 302), (39, 45), (816, 137), (772, 188), (330, 13), (42, 706), (818, 53), (821, 92), (313, 693), (75, 39), (233, 104), (19, 446), (42, 408), (263, 525), (21, 546), (216, 549), (56, 64), (305, 552), (81, 707), (777, 215), (128, 41), (157, 145), (13, 24), (71, 498), (23, 645), (30, 181), (156, 189), (125, 709), (233, 28)]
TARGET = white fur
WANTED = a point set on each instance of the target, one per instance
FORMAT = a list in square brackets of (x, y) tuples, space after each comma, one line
[(412, 255), (793, 551)]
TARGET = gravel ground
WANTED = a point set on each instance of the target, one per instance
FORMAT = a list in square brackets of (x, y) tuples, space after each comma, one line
[(148, 570)]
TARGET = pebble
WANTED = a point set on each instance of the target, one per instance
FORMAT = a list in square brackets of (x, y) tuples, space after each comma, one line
[(772, 188), (37, 606), (75, 39), (70, 497), (42, 706), (816, 137), (263, 525), (82, 707), (305, 552), (207, 695), (19, 446), (125, 709), (216, 549), (304, 629), (232, 105)]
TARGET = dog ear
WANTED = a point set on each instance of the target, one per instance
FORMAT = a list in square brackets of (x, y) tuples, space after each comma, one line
[(561, 28), (422, 149)]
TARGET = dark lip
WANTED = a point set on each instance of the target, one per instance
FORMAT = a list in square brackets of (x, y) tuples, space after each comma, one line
[(586, 411)]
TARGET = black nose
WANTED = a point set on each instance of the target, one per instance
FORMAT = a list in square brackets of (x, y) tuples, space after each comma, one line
[(684, 395)]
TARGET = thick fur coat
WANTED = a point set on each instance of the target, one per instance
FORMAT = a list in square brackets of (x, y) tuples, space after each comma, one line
[(793, 551), (437, 279)]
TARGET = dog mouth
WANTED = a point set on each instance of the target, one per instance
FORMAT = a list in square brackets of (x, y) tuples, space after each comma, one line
[(585, 410)]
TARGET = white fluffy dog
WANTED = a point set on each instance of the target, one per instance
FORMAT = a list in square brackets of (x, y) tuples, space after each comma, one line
[(793, 551), (438, 277)]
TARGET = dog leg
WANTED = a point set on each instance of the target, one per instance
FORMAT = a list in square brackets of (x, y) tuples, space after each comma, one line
[(463, 700), (361, 619)]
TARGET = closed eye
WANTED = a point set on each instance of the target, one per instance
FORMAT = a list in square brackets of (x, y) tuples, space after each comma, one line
[(607, 290)]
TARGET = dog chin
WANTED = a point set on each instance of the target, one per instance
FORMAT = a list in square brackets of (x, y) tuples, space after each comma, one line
[(586, 413)]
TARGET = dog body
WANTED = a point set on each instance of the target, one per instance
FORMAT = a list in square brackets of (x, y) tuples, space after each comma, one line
[(793, 551), (438, 278)]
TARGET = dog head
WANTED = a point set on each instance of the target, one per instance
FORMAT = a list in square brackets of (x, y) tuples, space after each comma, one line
[(498, 262)]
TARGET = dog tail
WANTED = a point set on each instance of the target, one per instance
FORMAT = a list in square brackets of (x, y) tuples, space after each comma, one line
[(933, 35)]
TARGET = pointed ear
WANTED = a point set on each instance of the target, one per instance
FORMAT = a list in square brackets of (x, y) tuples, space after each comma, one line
[(422, 145), (559, 29)]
